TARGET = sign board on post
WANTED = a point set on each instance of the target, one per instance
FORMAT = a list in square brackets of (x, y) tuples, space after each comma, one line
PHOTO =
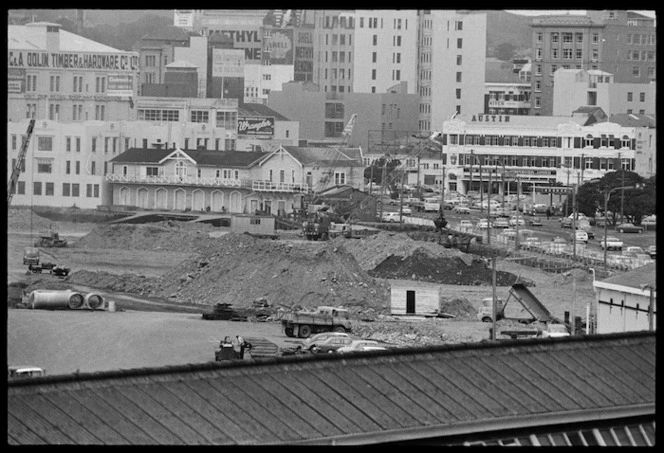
[(256, 126), (227, 63), (120, 85)]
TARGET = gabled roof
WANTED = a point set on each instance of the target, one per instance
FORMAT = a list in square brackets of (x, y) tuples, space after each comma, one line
[(323, 156), (201, 157), (396, 395), (251, 109), (634, 120), (644, 275)]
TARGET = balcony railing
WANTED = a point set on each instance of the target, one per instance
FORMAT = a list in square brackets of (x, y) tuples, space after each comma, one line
[(258, 186)]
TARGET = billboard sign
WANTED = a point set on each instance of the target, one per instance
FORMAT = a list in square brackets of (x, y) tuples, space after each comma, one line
[(256, 126), (277, 47), (184, 18), (120, 85), (228, 62), (16, 80), (106, 61)]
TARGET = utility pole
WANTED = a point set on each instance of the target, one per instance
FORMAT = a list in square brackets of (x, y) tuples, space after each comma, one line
[(493, 305), (470, 183), (479, 162), (518, 201), (574, 215), (488, 214), (502, 184)]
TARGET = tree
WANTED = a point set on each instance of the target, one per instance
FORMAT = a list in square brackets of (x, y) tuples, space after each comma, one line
[(638, 203), (374, 172)]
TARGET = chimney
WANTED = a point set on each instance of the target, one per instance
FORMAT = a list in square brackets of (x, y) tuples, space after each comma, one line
[(53, 37)]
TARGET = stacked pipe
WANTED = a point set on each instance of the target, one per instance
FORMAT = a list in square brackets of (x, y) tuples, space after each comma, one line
[(65, 299)]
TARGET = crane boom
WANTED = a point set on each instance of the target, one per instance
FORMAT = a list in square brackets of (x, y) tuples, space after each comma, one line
[(16, 171)]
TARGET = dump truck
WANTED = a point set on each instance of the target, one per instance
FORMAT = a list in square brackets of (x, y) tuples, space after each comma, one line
[(528, 301), (50, 239), (316, 226), (325, 319)]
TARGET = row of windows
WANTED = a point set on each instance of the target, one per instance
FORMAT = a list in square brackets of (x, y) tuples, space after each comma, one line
[(340, 21), (342, 88), (589, 163), (589, 141), (567, 37), (642, 97), (341, 57), (643, 55), (76, 112), (68, 189), (338, 39), (340, 73), (644, 40), (390, 109), (54, 84)]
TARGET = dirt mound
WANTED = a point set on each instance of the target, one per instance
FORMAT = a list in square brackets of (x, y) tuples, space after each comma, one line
[(460, 308), (238, 269), (21, 219), (421, 265), (167, 235), (373, 250)]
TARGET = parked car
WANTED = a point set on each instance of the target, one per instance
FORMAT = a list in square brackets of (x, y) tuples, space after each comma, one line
[(566, 223), (514, 220), (530, 243), (629, 228), (321, 337), (361, 345), (483, 224), (589, 232), (406, 210), (581, 236), (652, 251), (501, 223), (462, 209), (540, 208), (535, 221), (612, 243), (390, 217), (331, 345), (509, 233), (559, 240), (634, 250), (18, 372), (555, 330)]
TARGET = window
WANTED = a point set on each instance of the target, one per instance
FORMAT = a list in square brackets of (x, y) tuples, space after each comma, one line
[(459, 25), (554, 68), (398, 41), (115, 144), (588, 142), (459, 60), (45, 144), (642, 97), (373, 74), (44, 166), (538, 54), (629, 97), (636, 71), (554, 37), (538, 69), (578, 54), (567, 37), (624, 141), (78, 167), (374, 57), (375, 40), (202, 116), (37, 188), (158, 115), (75, 188), (554, 53), (459, 43), (595, 38), (567, 54), (93, 168), (538, 37), (595, 55), (339, 178), (579, 37), (54, 112), (538, 102), (458, 76)]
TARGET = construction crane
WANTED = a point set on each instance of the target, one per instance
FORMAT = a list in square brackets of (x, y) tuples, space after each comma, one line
[(348, 130), (16, 171)]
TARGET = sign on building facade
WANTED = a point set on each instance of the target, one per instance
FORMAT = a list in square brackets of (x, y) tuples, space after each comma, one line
[(255, 126)]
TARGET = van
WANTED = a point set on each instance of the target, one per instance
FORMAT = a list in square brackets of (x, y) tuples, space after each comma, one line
[(18, 372)]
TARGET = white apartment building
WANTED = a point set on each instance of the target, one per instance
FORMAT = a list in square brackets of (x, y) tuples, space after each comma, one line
[(385, 50), (452, 57)]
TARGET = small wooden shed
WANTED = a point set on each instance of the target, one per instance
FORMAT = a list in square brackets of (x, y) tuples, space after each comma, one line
[(253, 224), (414, 298)]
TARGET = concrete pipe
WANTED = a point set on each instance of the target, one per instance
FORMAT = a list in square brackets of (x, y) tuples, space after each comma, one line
[(54, 299), (94, 301)]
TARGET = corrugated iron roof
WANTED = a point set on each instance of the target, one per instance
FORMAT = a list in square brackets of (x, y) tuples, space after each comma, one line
[(326, 156), (250, 109), (644, 275), (202, 157), (24, 37), (634, 120), (403, 394)]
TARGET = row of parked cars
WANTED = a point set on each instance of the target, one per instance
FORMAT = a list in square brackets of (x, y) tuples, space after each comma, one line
[(338, 343)]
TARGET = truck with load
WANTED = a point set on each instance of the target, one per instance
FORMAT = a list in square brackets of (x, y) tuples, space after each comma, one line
[(317, 226), (50, 239), (325, 319), (528, 301)]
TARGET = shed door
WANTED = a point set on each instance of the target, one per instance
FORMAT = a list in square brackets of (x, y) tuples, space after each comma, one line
[(410, 302)]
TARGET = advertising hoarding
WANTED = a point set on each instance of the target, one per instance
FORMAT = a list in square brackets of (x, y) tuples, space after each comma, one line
[(277, 47), (256, 126), (228, 63), (120, 85), (126, 62), (15, 80), (183, 18)]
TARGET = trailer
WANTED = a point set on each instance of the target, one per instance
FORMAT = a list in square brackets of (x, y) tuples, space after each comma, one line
[(528, 301), (51, 268)]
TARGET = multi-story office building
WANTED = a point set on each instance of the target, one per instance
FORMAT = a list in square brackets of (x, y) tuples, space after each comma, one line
[(59, 76), (645, 146), (451, 56), (574, 88), (505, 92), (334, 48), (619, 42), (539, 151), (323, 116)]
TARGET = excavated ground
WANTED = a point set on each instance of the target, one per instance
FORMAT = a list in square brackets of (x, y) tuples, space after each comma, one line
[(191, 264)]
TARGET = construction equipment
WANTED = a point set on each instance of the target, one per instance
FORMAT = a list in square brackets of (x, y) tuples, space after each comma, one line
[(20, 161), (317, 226), (50, 238), (325, 319), (51, 268), (528, 301), (31, 256)]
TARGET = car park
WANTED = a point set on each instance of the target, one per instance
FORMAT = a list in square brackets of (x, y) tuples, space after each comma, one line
[(652, 251), (462, 209), (391, 217), (535, 221), (629, 228), (581, 236), (612, 243), (501, 223)]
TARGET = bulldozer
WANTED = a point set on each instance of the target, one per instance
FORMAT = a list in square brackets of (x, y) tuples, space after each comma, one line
[(50, 239)]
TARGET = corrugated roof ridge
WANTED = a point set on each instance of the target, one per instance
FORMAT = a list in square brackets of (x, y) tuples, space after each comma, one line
[(400, 354)]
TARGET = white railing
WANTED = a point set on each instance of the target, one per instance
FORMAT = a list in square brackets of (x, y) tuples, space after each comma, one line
[(264, 186)]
